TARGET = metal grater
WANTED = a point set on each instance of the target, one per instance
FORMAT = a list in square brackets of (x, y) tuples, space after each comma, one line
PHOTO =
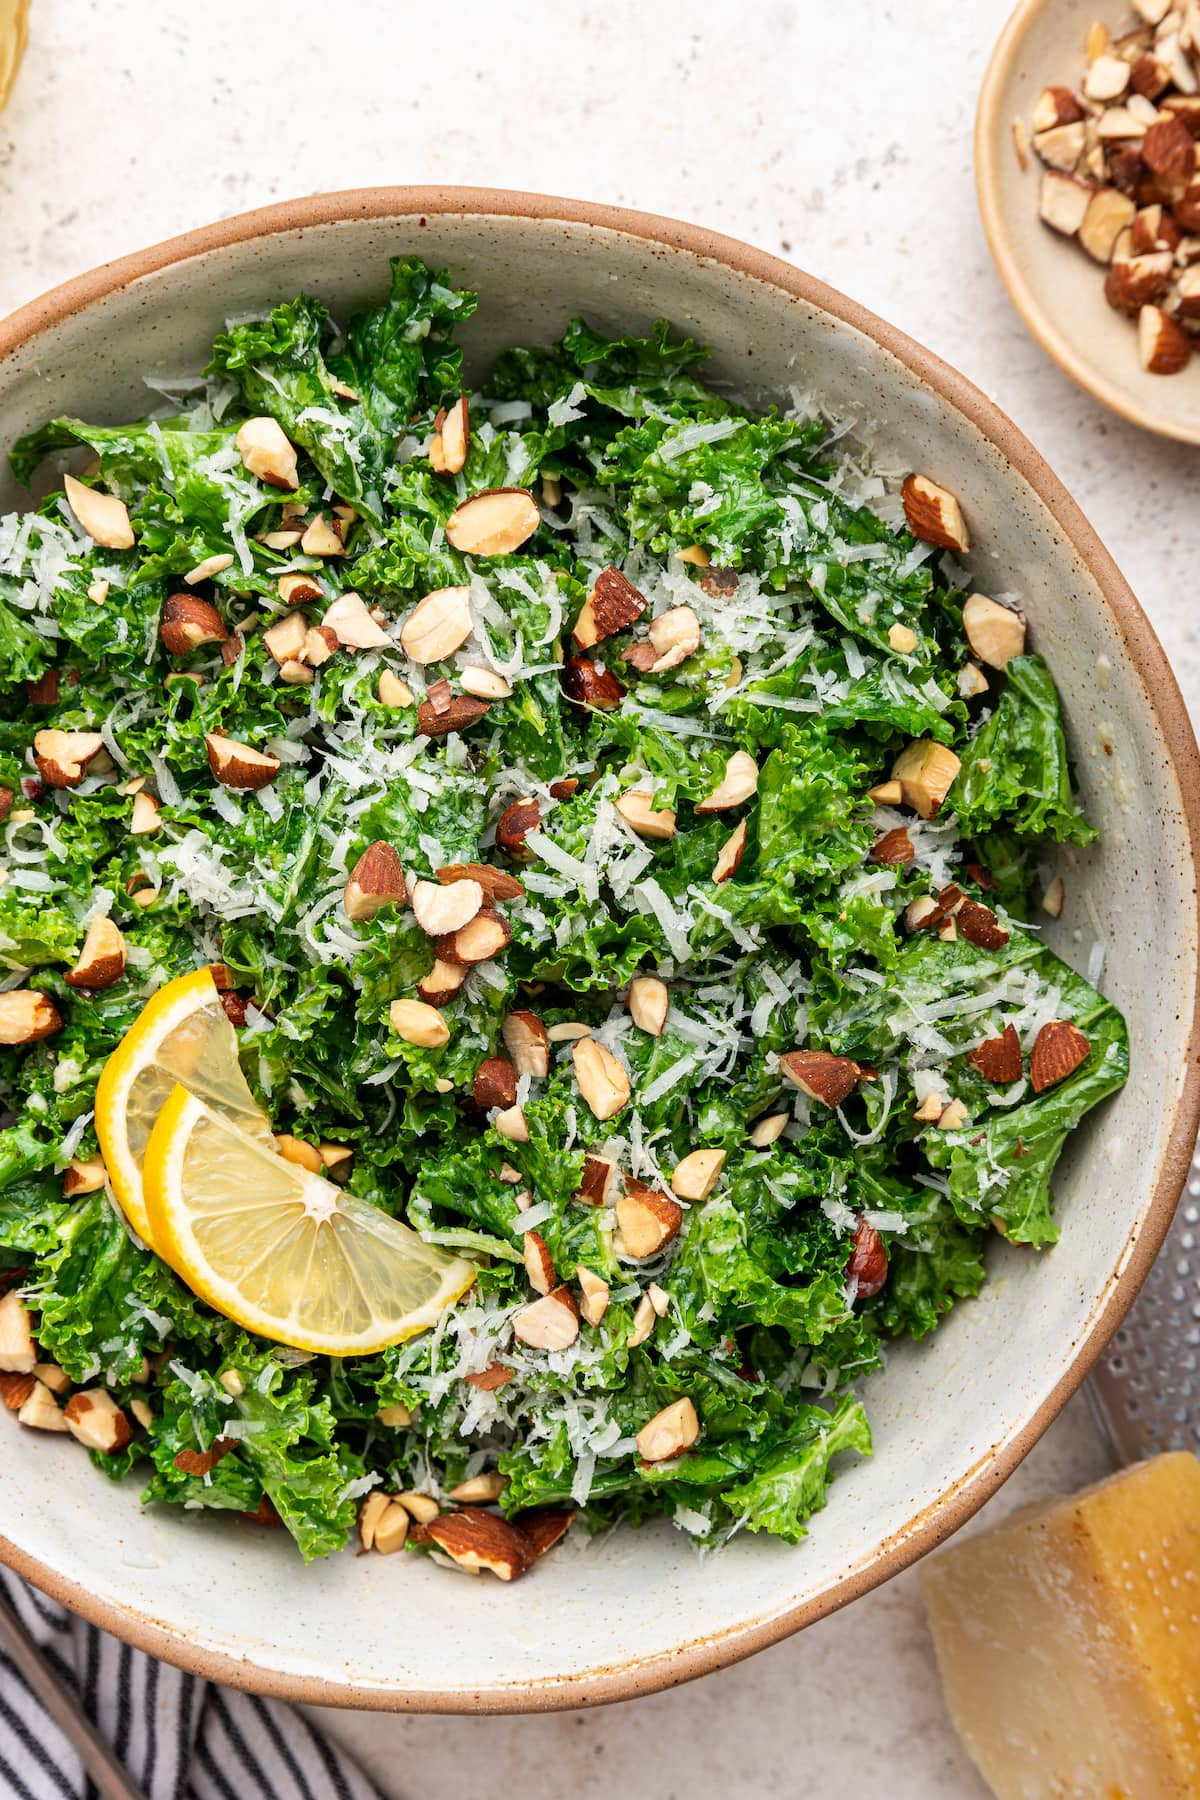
[(1145, 1390)]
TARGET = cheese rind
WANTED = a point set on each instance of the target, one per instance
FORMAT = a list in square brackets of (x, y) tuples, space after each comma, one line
[(1068, 1640)]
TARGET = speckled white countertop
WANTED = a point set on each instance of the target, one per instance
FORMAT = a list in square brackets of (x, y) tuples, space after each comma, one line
[(839, 136)]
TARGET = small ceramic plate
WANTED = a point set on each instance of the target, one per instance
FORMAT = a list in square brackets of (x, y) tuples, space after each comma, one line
[(1056, 288)]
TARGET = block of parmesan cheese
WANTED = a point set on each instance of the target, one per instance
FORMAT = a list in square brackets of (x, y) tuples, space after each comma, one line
[(1068, 1640)]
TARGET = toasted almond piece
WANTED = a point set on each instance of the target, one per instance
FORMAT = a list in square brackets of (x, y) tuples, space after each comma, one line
[(598, 1180), (237, 766), (95, 1419), (1168, 149), (644, 1320), (1107, 78), (392, 691), (352, 624), (295, 674), (1061, 147), (15, 1390), (56, 1379), (539, 1267), (819, 1074), (448, 447), (613, 605), (902, 639), (674, 636), (1054, 898), (267, 453), (953, 1117), (495, 522), (971, 682), (695, 554), (480, 1490), (440, 909), (487, 935), (442, 982), (320, 643), (602, 1081), (376, 881), (63, 757), (589, 683), (512, 1124), (18, 1352), (1163, 346), (526, 1042), (497, 884), (595, 1293), (514, 824), (145, 897), (867, 1266), (647, 1220), (930, 1109), (103, 517), (999, 1059), (479, 1540), (145, 820), (669, 1432), (648, 1001), (438, 625), (419, 1023), (320, 538), (336, 1160), (299, 590), (97, 591), (995, 633), (1063, 202), (887, 793), (374, 1505), (768, 1130), (638, 811), (212, 565), (926, 771), (729, 856), (101, 962), (1058, 1050), (421, 1507), (1107, 215), (551, 1323), (489, 1380), (696, 1176), (285, 639), (395, 1417), (391, 1529), (495, 1083), (41, 1411), (26, 1016), (448, 712), (83, 1176), (485, 684), (659, 1299), (894, 848), (738, 783), (1055, 106), (296, 1150), (979, 925), (567, 1031), (281, 540), (188, 622), (934, 514)]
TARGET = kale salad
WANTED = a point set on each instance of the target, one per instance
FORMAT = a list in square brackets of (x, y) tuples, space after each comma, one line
[(617, 837)]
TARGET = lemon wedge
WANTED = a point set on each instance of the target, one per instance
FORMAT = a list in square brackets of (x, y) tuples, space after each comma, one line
[(181, 1036), (282, 1251)]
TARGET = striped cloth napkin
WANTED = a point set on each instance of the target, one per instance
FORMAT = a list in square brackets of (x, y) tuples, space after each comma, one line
[(178, 1737)]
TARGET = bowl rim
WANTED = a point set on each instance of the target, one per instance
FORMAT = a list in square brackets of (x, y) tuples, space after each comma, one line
[(626, 1680), (992, 142)]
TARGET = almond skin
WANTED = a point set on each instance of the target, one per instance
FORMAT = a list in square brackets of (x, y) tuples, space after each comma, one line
[(822, 1076), (894, 848), (596, 1182), (999, 1059), (647, 1220), (526, 1042), (63, 757), (496, 1375), (188, 622), (613, 605), (26, 1016), (376, 881), (101, 961), (487, 934), (94, 1417), (237, 766), (979, 925), (868, 1264), (1058, 1051), (669, 1433), (551, 1323), (479, 1540), (729, 857), (934, 514), (442, 983), (522, 817), (539, 1265), (496, 884), (589, 683), (545, 1528), (496, 1085), (459, 712)]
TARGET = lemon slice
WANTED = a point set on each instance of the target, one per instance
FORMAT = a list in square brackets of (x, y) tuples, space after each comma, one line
[(281, 1251), (181, 1036)]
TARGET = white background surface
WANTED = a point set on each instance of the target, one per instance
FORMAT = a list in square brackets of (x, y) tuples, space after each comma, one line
[(836, 135)]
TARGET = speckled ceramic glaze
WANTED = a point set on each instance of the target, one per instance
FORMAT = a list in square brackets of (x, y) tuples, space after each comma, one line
[(1057, 289), (641, 1610)]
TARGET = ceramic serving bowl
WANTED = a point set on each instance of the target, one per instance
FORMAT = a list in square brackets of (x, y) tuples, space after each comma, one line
[(639, 1610), (1057, 289)]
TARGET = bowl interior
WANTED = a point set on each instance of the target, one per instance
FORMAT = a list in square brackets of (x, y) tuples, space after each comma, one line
[(639, 1609), (1055, 286)]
